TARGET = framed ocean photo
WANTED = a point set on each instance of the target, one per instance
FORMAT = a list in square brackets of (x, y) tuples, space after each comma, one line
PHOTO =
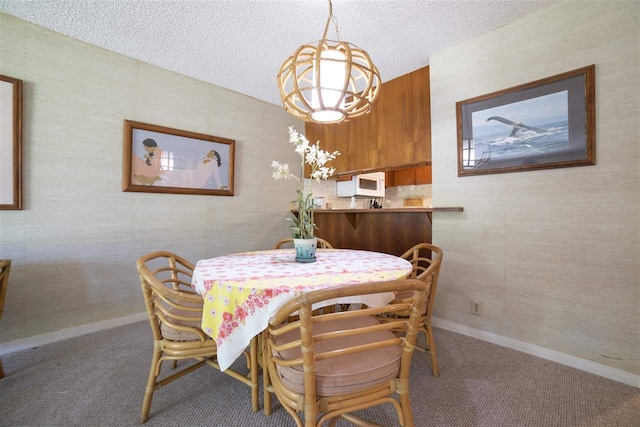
[(549, 123)]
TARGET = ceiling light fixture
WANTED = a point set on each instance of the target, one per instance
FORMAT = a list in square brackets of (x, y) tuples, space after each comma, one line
[(328, 81)]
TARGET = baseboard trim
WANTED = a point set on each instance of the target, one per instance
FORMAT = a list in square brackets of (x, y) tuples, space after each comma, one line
[(545, 353), (64, 334), (535, 350)]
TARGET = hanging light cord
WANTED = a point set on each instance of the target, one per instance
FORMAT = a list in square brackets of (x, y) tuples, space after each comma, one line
[(335, 23)]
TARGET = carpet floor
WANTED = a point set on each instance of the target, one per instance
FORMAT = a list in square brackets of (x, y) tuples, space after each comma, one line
[(99, 380)]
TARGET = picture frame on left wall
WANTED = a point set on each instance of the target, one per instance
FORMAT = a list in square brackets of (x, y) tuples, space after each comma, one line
[(10, 143), (158, 159)]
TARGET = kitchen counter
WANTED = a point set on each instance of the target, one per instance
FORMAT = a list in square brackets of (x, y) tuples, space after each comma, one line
[(392, 230), (388, 210), (353, 215)]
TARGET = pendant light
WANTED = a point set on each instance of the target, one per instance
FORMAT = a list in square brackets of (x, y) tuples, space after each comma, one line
[(328, 81)]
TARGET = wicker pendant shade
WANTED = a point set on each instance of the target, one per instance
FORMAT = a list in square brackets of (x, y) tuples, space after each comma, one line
[(328, 81)]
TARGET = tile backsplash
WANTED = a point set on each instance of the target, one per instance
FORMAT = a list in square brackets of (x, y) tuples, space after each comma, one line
[(325, 191)]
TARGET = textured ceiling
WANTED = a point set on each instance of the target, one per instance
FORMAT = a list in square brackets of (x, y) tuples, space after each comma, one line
[(241, 44)]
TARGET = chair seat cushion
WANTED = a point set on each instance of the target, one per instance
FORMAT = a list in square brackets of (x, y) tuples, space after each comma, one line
[(406, 297), (403, 297), (173, 334), (347, 373)]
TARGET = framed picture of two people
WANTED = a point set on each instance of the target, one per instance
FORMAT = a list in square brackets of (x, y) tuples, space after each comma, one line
[(158, 159)]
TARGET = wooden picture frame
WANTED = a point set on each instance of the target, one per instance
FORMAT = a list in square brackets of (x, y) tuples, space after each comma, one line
[(158, 159), (548, 123), (10, 143)]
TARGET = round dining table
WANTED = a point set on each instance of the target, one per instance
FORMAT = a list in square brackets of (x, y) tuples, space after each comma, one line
[(242, 291)]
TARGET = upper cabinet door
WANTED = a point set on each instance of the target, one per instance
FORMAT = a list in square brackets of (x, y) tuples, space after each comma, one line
[(395, 133)]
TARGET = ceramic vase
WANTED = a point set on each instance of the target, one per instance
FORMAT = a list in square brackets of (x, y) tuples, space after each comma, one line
[(305, 249)]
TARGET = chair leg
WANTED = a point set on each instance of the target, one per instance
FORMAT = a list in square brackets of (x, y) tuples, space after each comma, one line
[(266, 381), (253, 373), (432, 350), (407, 413), (1, 370), (151, 386)]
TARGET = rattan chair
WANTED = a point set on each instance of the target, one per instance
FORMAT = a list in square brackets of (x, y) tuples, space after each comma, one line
[(5, 268), (175, 314), (426, 260), (284, 243), (326, 366)]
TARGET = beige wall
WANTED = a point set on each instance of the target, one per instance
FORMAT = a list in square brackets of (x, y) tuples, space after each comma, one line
[(553, 255), (75, 244)]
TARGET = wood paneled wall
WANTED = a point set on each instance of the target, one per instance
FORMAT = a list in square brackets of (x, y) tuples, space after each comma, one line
[(396, 133)]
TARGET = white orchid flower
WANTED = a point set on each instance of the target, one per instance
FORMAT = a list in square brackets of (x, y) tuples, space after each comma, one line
[(312, 155)]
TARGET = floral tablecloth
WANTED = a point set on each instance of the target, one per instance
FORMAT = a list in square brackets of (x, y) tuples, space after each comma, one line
[(242, 291)]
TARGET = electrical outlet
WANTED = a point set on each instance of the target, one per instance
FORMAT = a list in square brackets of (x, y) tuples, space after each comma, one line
[(476, 307)]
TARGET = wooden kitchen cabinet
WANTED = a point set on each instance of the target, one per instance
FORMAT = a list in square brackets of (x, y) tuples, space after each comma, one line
[(412, 176), (396, 132)]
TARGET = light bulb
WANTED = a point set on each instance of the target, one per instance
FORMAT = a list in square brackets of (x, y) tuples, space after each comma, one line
[(330, 87)]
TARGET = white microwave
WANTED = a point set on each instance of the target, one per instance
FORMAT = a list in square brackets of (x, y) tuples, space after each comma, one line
[(364, 185)]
